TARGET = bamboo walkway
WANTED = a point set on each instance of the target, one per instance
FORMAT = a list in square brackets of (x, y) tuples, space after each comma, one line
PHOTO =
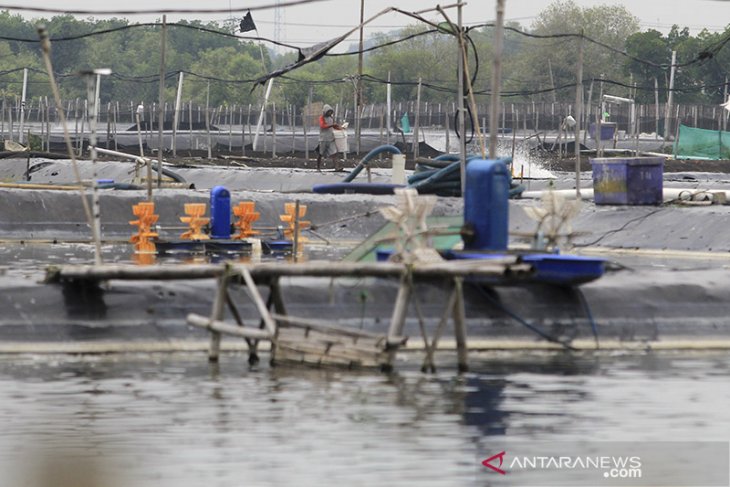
[(315, 342)]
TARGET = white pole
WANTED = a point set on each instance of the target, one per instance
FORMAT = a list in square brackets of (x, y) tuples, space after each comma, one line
[(22, 105), (578, 113), (670, 97), (176, 116), (95, 209), (387, 118), (460, 104), (261, 115), (496, 85)]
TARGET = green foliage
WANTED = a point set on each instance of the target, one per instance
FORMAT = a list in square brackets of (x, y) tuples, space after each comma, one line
[(230, 65), (607, 24)]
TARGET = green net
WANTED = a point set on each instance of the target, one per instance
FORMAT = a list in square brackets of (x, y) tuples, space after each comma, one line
[(694, 143)]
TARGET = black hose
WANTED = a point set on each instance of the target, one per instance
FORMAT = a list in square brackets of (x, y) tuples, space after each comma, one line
[(467, 92), (173, 175)]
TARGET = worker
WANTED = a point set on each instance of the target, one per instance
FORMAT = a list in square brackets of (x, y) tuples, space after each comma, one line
[(327, 146)]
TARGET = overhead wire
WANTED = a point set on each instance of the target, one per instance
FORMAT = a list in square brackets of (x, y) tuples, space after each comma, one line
[(708, 53), (67, 11)]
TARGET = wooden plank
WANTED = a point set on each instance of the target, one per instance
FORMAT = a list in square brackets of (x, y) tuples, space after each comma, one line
[(334, 356), (227, 328), (307, 334)]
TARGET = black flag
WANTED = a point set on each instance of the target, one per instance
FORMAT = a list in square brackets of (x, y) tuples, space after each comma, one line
[(247, 24)]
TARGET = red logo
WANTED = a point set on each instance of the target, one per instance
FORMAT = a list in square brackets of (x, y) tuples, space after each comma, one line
[(493, 457)]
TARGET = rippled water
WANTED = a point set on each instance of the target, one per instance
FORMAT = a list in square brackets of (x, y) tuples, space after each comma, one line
[(175, 420)]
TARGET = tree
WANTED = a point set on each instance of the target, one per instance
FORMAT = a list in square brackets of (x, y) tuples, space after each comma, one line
[(606, 24), (646, 48)]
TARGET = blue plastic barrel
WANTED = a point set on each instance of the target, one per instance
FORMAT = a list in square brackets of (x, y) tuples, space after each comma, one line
[(220, 213), (486, 205)]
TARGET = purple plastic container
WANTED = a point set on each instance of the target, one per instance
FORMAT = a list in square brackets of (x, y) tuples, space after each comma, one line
[(628, 180)]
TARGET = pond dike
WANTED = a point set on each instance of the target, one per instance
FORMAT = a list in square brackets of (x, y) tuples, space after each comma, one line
[(667, 286)]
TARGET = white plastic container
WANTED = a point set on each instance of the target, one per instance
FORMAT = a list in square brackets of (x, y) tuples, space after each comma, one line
[(399, 169), (341, 141)]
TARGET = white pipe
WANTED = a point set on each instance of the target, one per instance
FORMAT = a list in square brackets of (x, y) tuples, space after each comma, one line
[(22, 105), (388, 107), (176, 115), (261, 115), (668, 194)]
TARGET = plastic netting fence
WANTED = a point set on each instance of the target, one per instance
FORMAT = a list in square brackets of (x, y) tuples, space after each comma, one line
[(694, 143)]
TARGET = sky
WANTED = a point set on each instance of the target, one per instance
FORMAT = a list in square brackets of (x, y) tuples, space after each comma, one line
[(325, 19)]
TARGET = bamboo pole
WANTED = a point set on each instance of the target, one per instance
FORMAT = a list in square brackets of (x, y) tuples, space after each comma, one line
[(161, 115), (116, 116), (216, 314), (263, 310), (448, 311), (417, 122), (305, 122), (578, 114), (496, 79), (295, 247), (243, 131), (358, 99), (273, 129), (460, 327), (207, 121), (587, 113), (398, 318), (724, 100), (447, 149), (176, 115), (505, 267), (293, 123), (46, 53), (217, 327), (656, 109), (230, 127), (670, 97)]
